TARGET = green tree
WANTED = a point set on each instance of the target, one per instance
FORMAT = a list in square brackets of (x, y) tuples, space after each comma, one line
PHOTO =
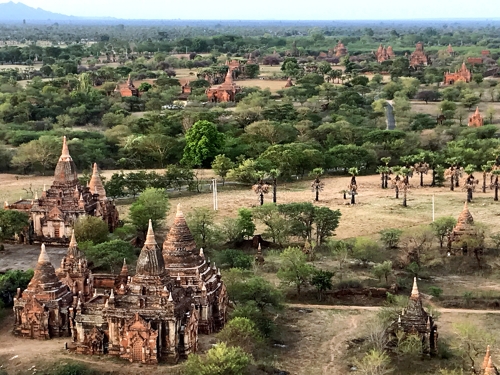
[(108, 256), (383, 270), (256, 290), (221, 166), (322, 280), (91, 228), (241, 332), (230, 258), (152, 205), (294, 269), (10, 281), (245, 222), (12, 222), (442, 227), (375, 362), (470, 100), (145, 86), (366, 250), (203, 144), (326, 221), (277, 227), (220, 359), (115, 186), (201, 224), (390, 237)]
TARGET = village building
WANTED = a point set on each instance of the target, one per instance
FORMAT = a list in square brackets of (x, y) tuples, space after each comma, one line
[(419, 57), (461, 75), (384, 54), (150, 317), (226, 92), (476, 120), (52, 216), (127, 89), (414, 320)]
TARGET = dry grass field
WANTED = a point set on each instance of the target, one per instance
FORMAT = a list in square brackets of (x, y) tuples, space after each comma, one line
[(376, 209), (432, 109)]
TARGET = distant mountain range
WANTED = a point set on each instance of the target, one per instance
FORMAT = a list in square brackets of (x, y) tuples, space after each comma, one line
[(12, 11)]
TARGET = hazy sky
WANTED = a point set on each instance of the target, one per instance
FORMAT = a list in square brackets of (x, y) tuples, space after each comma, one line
[(277, 9)]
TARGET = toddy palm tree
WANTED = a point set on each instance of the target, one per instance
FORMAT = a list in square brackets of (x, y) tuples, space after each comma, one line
[(454, 172), (396, 181), (470, 182), (495, 184), (353, 186), (261, 188), (486, 168), (404, 184), (274, 174), (317, 185), (384, 170)]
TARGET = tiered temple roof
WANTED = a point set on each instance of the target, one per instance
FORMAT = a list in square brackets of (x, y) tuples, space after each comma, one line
[(418, 57), (150, 261), (463, 74), (95, 184)]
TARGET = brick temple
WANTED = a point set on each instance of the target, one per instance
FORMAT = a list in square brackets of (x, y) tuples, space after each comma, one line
[(419, 57), (414, 320), (339, 50), (152, 316), (127, 89), (52, 216), (226, 92), (487, 367), (384, 54), (476, 120), (461, 75)]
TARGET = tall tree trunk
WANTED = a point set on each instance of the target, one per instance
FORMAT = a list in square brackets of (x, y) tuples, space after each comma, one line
[(469, 195), (261, 199), (383, 182), (484, 182), (397, 192), (456, 182), (452, 183), (275, 188), (433, 183), (317, 194), (353, 198), (345, 196), (404, 198), (421, 179), (386, 179), (496, 188)]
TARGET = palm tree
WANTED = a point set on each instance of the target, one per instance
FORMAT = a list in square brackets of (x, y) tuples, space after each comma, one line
[(397, 171), (353, 186), (317, 185), (486, 168), (495, 184), (274, 174), (405, 183), (384, 171), (261, 188), (470, 182)]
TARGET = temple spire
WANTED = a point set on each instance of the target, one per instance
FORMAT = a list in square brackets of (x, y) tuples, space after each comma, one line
[(487, 358), (415, 294), (96, 186), (124, 271), (179, 211), (72, 242), (65, 151), (150, 237), (43, 258), (477, 111)]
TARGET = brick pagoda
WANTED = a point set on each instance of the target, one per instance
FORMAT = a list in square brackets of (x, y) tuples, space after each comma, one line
[(226, 92), (476, 120), (419, 57), (127, 89), (461, 75), (384, 54)]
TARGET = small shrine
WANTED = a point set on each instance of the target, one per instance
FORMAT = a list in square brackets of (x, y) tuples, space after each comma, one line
[(339, 50), (461, 75), (419, 57), (463, 228), (289, 82), (476, 120), (450, 50), (414, 320)]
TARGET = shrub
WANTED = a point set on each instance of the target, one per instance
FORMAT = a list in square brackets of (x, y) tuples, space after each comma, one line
[(221, 359), (435, 291), (390, 237), (73, 368), (349, 284), (241, 332), (91, 228), (233, 259)]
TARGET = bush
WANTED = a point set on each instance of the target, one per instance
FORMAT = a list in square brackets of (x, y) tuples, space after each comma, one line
[(435, 291), (349, 284), (233, 259), (390, 237), (221, 359), (73, 368), (91, 228), (241, 332)]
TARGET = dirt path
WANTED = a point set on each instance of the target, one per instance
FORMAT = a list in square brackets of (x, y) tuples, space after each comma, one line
[(335, 344), (376, 308)]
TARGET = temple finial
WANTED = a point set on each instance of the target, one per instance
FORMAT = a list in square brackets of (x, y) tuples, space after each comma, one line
[(65, 150), (43, 258), (414, 292), (179, 211), (72, 242), (150, 237)]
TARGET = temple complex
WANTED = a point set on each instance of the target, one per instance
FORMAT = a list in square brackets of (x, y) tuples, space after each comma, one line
[(414, 320), (418, 57), (127, 89), (461, 75), (226, 92), (152, 316), (384, 54), (52, 216), (476, 120)]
